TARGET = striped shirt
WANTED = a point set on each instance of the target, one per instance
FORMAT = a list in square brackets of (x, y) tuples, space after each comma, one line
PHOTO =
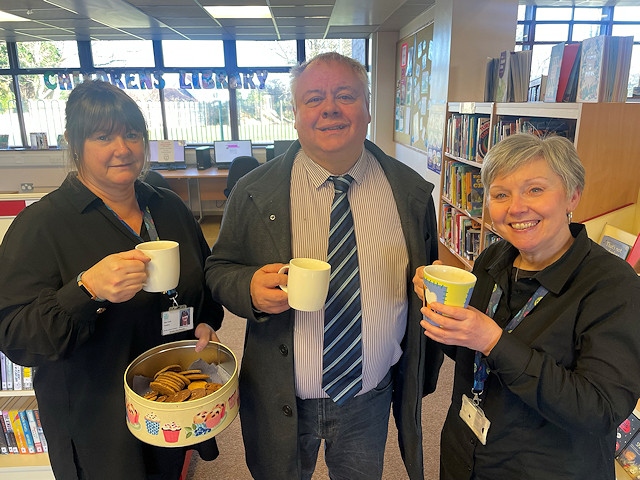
[(383, 261)]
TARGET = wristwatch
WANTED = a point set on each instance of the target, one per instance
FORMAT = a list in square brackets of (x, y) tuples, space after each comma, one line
[(86, 290)]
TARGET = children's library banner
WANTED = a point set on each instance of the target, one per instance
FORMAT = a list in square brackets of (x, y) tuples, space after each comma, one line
[(413, 76)]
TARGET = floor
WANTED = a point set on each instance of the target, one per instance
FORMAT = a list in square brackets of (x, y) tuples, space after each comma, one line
[(210, 225)]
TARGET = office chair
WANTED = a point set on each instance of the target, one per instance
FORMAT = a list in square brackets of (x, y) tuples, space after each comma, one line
[(156, 179), (240, 166)]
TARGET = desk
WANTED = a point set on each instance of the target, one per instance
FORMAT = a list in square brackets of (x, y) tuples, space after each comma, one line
[(209, 184)]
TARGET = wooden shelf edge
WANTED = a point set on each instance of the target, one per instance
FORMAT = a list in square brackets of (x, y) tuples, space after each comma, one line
[(17, 393)]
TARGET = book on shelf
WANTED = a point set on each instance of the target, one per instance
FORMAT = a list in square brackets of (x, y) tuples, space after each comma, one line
[(17, 376), (26, 430), (571, 89), (508, 77), (21, 440), (503, 87), (9, 435), (4, 441), (616, 240), (627, 452), (604, 69), (563, 56), (482, 138), (626, 431), (491, 79), (35, 432), (3, 370), (43, 440), (9, 372)]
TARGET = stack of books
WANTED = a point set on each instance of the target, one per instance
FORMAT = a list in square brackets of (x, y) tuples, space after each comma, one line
[(507, 77), (14, 376), (22, 431)]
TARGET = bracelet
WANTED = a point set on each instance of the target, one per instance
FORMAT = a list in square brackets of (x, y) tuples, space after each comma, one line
[(86, 290)]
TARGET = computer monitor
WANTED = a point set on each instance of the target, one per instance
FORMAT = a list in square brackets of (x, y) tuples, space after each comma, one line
[(167, 154), (281, 146), (224, 151)]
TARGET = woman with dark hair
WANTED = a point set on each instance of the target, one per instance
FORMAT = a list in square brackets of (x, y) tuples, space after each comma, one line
[(548, 353), (71, 298)]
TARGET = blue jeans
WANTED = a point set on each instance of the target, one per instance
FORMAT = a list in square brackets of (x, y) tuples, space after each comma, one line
[(354, 434)]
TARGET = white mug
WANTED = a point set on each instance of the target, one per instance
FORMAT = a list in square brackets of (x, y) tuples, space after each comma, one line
[(308, 283), (163, 271)]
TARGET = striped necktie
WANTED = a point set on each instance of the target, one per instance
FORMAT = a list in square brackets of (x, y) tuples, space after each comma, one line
[(342, 352)]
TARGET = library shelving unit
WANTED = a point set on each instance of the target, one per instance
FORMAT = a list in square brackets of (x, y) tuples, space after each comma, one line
[(605, 136), (33, 466)]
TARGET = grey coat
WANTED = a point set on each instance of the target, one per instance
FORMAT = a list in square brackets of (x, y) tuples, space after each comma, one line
[(255, 231)]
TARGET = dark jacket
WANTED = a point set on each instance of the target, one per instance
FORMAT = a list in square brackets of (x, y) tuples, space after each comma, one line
[(255, 231), (47, 321)]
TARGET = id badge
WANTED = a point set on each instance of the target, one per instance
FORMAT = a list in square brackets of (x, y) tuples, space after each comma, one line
[(474, 417), (177, 319)]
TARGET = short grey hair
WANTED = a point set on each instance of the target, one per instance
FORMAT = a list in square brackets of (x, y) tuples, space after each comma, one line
[(329, 57), (517, 150)]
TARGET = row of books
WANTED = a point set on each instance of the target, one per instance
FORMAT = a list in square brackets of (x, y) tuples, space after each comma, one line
[(22, 430), (460, 232), (14, 376), (463, 187), (594, 70), (507, 77), (468, 136), (540, 126)]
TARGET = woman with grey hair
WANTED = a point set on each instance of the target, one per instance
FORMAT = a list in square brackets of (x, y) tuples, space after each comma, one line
[(548, 352)]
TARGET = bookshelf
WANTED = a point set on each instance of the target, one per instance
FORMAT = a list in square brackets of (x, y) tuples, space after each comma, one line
[(30, 466), (605, 136)]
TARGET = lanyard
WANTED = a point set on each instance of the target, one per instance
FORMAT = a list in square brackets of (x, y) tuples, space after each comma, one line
[(480, 367), (148, 224), (153, 235)]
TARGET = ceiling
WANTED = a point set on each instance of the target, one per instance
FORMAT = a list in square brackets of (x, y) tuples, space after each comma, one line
[(57, 20)]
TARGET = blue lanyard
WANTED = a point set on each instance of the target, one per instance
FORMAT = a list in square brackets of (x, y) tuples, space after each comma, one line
[(480, 367), (148, 223)]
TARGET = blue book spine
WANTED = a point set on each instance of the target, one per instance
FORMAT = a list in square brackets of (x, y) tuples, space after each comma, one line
[(24, 421)]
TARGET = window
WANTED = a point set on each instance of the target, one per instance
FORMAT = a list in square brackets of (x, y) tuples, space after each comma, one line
[(195, 53), (122, 53), (9, 124), (354, 48), (205, 96), (43, 107), (265, 114), (48, 54), (4, 56), (266, 54), (196, 115)]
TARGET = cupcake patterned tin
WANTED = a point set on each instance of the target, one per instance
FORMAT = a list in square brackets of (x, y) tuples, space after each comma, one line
[(185, 423)]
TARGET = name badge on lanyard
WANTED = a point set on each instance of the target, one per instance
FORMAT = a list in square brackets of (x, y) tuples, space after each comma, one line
[(470, 411), (177, 319)]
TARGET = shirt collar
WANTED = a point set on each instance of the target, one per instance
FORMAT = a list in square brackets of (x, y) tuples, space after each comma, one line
[(82, 198), (555, 276), (319, 175)]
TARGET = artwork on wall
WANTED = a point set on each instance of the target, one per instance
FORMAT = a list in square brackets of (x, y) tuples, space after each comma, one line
[(413, 76)]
